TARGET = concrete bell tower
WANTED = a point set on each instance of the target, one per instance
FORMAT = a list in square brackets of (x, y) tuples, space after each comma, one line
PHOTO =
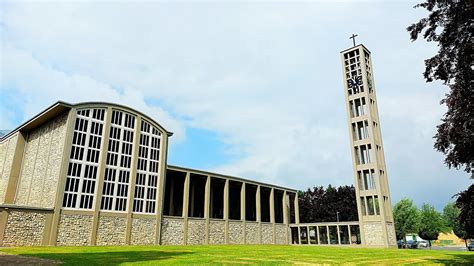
[(373, 196)]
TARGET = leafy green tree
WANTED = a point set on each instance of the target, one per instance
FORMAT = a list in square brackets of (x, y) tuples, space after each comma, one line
[(449, 24), (406, 217), (465, 202), (450, 215), (431, 223)]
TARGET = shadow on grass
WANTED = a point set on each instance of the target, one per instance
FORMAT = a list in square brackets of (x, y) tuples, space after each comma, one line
[(457, 259), (109, 258)]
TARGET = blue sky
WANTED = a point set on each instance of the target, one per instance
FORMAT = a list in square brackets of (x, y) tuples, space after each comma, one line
[(250, 89)]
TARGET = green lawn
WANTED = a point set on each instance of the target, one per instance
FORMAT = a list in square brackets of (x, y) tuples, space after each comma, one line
[(261, 254)]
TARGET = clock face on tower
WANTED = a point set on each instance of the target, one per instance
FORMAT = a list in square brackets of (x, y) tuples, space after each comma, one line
[(354, 83)]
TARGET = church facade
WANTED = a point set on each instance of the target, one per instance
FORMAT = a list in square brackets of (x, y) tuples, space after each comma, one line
[(96, 174)]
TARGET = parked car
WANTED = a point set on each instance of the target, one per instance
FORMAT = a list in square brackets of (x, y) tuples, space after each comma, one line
[(470, 247), (401, 244), (423, 244), (412, 244)]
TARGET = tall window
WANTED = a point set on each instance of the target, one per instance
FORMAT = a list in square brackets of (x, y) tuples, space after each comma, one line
[(147, 169), (118, 162), (84, 159)]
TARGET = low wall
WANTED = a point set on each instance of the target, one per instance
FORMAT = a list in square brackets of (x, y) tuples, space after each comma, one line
[(24, 227)]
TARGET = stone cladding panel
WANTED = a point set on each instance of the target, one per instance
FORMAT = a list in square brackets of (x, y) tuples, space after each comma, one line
[(216, 232), (236, 233), (373, 234), (111, 231), (392, 239), (280, 234), (267, 233), (251, 233), (196, 232), (74, 230), (143, 231), (41, 164), (7, 151), (24, 228), (172, 232)]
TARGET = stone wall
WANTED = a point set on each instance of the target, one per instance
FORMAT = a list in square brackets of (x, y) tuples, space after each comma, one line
[(7, 151), (392, 238), (281, 234), (252, 233), (267, 233), (74, 230), (236, 233), (172, 231), (41, 164), (143, 231), (24, 228), (373, 234), (111, 231), (216, 232), (196, 232)]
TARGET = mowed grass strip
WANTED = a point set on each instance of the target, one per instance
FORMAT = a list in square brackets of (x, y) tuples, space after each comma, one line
[(242, 254)]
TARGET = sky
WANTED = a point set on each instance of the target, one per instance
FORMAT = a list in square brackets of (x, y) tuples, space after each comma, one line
[(252, 89)]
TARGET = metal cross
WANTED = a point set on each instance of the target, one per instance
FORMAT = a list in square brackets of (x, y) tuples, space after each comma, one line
[(353, 38)]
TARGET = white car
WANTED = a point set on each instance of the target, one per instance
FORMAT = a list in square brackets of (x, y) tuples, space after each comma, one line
[(423, 244)]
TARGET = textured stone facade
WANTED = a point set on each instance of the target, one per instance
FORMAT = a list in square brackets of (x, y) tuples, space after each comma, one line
[(7, 151), (41, 164), (216, 232), (196, 232), (373, 234), (74, 230), (143, 231), (236, 233), (281, 234), (392, 238), (252, 234), (267, 233), (172, 231), (111, 231), (24, 228)]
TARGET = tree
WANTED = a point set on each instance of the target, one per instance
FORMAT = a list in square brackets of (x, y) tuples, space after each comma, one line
[(325, 205), (450, 25), (465, 202), (431, 223), (406, 218), (450, 215)]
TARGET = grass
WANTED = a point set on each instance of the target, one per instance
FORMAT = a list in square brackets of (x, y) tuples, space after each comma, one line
[(242, 254)]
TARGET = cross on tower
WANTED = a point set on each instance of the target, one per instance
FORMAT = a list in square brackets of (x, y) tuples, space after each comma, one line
[(353, 38)]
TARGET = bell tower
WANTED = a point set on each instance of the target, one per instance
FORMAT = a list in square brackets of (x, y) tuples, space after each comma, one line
[(372, 192)]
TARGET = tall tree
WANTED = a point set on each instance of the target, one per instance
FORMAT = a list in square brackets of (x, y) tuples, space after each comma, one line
[(450, 25), (431, 223), (450, 215), (465, 203), (325, 205), (406, 218)]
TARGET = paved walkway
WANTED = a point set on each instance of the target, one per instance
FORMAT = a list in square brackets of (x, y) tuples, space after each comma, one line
[(9, 259)]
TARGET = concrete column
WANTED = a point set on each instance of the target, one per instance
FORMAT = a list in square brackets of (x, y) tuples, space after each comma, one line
[(286, 216), (133, 176), (207, 200), (307, 235), (185, 206), (226, 211), (350, 234), (161, 185), (16, 167), (299, 235), (272, 212), (297, 209), (71, 119), (328, 235), (338, 235), (317, 235), (259, 213), (242, 211)]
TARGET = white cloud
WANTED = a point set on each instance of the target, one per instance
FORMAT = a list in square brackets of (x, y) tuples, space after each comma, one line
[(266, 77)]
